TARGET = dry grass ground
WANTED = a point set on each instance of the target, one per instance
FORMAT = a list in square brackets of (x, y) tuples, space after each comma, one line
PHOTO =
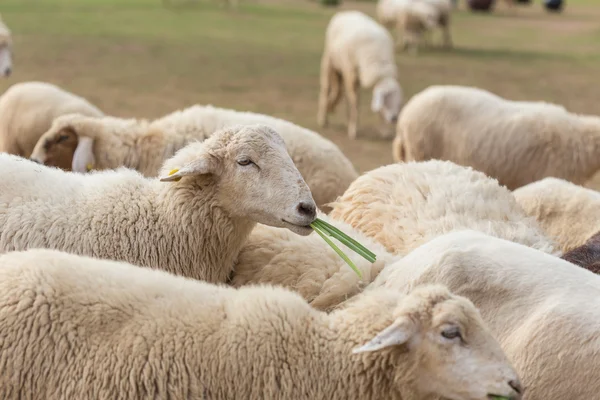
[(138, 58)]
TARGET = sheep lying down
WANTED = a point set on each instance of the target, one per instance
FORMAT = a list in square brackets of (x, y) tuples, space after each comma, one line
[(74, 327), (543, 310), (191, 221)]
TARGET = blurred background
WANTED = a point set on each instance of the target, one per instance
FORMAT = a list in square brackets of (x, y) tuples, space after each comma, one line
[(147, 58)]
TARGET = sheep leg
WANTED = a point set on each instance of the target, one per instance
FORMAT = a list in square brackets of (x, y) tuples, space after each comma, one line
[(326, 72), (351, 88), (445, 24), (335, 92)]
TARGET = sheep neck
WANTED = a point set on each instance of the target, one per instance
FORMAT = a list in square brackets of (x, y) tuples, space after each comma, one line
[(368, 375), (204, 240)]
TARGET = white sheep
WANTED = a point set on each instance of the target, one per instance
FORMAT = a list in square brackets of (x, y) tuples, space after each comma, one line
[(306, 264), (76, 327), (194, 225), (109, 142), (404, 205), (568, 213), (543, 310), (27, 110), (414, 18), (516, 142), (5, 50), (358, 53)]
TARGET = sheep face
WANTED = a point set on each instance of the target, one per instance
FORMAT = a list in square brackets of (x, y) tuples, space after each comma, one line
[(255, 177), (5, 56), (453, 354), (56, 147), (387, 99)]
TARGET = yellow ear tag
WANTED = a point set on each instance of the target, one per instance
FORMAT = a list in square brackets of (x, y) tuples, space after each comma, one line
[(174, 171), (89, 167)]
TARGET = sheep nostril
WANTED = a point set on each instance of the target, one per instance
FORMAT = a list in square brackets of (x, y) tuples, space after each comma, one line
[(516, 385), (307, 209), (35, 161)]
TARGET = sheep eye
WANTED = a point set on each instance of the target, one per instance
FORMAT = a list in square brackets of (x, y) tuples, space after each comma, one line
[(245, 161), (451, 333), (62, 138)]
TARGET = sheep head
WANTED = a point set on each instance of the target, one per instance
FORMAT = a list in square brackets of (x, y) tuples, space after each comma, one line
[(254, 176), (66, 145), (5, 50), (452, 353), (387, 99)]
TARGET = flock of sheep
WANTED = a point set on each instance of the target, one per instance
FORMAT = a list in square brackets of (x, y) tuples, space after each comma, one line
[(147, 259)]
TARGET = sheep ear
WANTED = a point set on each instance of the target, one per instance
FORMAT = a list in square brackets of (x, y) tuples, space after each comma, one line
[(377, 101), (83, 157), (396, 334), (200, 166)]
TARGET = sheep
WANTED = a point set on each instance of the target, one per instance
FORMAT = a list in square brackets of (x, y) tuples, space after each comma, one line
[(5, 50), (516, 142), (27, 110), (306, 264), (78, 327), (541, 308), (587, 255), (358, 52), (142, 145), (413, 18), (194, 225), (404, 205), (567, 213)]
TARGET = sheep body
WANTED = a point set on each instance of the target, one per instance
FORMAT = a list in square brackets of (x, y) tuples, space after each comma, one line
[(104, 329), (404, 205), (568, 213), (27, 110), (540, 308), (144, 145), (193, 227), (516, 142), (358, 53), (306, 264)]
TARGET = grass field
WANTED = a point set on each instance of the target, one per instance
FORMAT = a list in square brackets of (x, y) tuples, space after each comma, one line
[(136, 58)]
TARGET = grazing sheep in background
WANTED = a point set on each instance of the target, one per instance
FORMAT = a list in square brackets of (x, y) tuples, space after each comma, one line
[(587, 255), (143, 145), (404, 205), (567, 213), (102, 329), (358, 53), (194, 225), (5, 50), (516, 142), (543, 310), (306, 264), (414, 18), (27, 110)]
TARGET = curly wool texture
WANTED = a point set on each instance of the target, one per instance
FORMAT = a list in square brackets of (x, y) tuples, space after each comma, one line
[(28, 109), (541, 308), (102, 329), (194, 227), (568, 213), (144, 145), (307, 264), (516, 142), (404, 205)]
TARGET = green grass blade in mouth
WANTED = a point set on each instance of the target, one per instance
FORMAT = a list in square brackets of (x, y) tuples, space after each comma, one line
[(336, 249), (352, 244)]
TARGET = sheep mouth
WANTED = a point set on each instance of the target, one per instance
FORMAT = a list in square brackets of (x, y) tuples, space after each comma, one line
[(303, 230)]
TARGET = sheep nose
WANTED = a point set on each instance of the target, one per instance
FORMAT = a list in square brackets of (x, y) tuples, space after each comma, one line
[(35, 160), (517, 387), (394, 119), (7, 71), (307, 209)]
